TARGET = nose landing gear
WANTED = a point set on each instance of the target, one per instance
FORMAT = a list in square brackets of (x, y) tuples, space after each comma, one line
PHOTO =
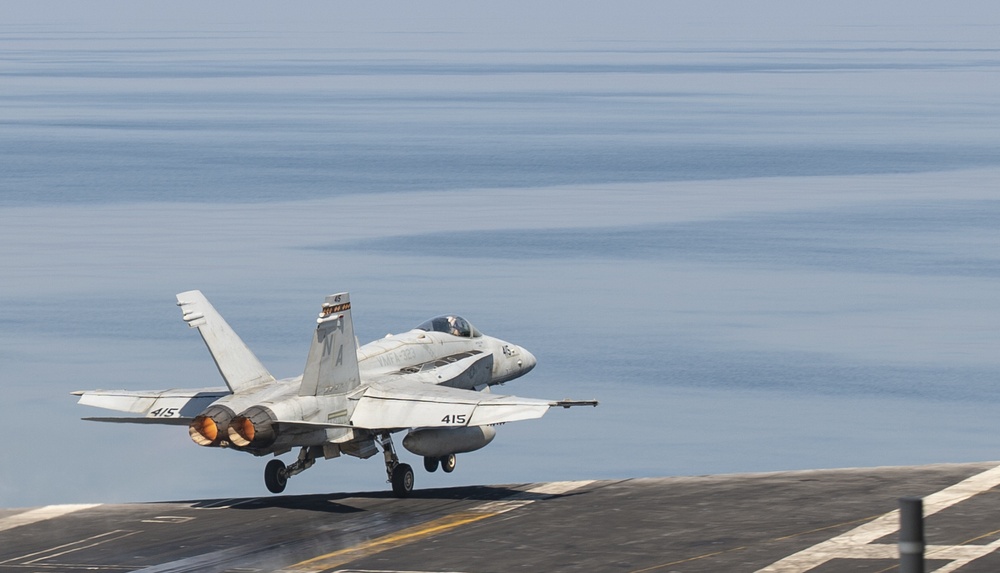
[(431, 464), (447, 463)]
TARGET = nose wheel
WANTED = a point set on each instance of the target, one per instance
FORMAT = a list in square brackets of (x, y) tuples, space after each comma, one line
[(431, 464), (447, 463)]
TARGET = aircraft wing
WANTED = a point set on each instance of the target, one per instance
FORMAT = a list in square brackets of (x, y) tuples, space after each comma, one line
[(409, 404), (156, 407)]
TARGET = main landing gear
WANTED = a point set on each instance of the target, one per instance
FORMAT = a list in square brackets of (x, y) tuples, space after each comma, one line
[(400, 475), (275, 477), (447, 463), (276, 474)]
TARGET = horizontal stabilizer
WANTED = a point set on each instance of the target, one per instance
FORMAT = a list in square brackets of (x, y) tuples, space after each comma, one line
[(407, 404), (239, 367), (124, 420), (154, 405)]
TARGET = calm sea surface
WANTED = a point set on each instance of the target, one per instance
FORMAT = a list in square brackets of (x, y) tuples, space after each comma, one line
[(757, 257)]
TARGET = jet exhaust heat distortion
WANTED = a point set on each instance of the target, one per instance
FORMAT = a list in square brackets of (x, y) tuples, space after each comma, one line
[(432, 382)]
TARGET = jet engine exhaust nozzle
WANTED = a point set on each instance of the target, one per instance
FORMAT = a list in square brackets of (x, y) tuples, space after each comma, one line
[(208, 428), (253, 428)]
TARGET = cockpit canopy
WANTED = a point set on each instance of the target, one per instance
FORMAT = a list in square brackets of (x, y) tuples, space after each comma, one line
[(451, 324)]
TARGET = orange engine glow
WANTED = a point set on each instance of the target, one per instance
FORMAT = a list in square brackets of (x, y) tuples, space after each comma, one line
[(203, 430), (241, 431), (254, 429), (247, 430)]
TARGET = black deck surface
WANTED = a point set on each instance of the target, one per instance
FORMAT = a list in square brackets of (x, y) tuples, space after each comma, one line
[(712, 523)]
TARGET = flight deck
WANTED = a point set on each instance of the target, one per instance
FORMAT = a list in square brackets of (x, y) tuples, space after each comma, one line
[(819, 521)]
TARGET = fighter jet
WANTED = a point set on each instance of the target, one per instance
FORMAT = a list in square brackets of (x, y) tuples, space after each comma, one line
[(432, 382)]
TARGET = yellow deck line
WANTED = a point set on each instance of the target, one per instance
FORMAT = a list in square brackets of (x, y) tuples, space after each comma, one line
[(433, 527), (384, 543)]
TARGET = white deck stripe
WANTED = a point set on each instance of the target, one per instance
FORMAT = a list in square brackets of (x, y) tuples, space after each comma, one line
[(58, 547), (52, 554), (855, 543), (558, 487), (41, 514), (976, 551), (219, 504), (529, 496)]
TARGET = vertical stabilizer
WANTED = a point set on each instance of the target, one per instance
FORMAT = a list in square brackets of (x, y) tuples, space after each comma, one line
[(239, 367), (332, 366)]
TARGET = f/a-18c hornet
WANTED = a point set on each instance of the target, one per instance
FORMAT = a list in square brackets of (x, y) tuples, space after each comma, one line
[(432, 381)]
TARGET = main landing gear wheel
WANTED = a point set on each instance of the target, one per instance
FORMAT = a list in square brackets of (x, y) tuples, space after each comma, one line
[(448, 463), (274, 476), (430, 464), (402, 480)]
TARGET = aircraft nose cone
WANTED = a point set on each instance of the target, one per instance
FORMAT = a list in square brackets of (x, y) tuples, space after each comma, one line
[(527, 360)]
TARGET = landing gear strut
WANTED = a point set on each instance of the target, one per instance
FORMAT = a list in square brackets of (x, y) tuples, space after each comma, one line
[(276, 474), (400, 475)]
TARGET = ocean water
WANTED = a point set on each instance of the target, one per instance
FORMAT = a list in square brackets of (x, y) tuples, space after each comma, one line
[(757, 256)]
